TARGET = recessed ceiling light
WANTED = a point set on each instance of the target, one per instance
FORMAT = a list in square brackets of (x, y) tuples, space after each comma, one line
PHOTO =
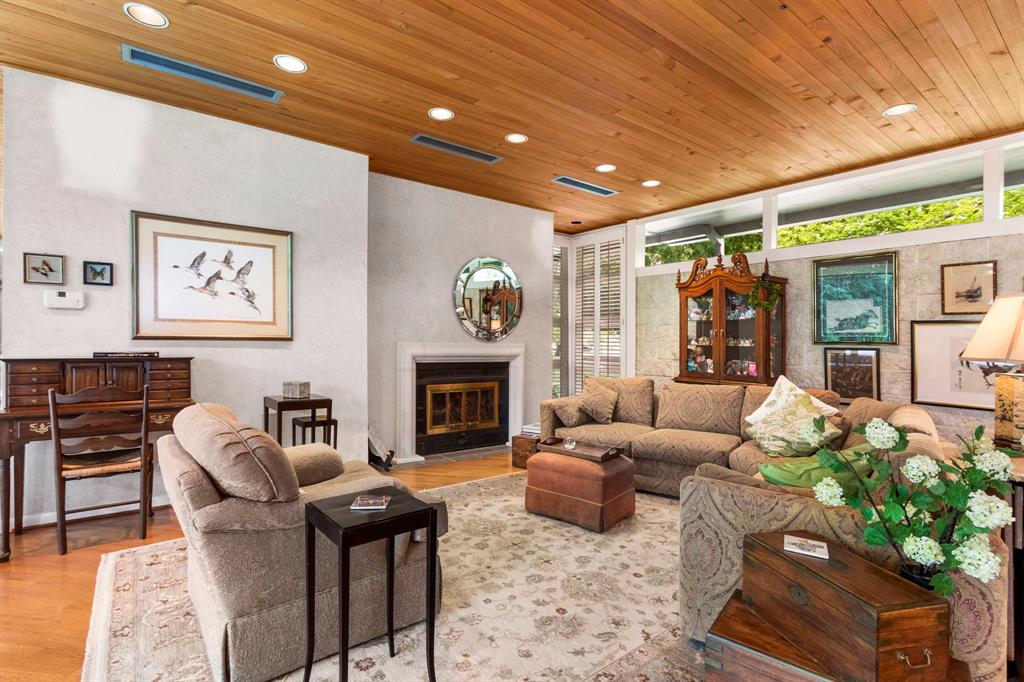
[(651, 183), (146, 15), (289, 63), (441, 114), (516, 138), (575, 222), (605, 168), (900, 110)]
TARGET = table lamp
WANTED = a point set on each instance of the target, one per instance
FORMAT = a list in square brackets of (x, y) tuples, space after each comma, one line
[(1000, 338)]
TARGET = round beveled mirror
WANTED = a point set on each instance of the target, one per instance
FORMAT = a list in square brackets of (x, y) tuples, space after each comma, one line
[(488, 298)]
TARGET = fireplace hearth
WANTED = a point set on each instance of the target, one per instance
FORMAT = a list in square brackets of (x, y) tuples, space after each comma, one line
[(460, 405)]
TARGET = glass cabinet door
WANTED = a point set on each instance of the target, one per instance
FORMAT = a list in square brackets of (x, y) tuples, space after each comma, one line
[(740, 337), (700, 341)]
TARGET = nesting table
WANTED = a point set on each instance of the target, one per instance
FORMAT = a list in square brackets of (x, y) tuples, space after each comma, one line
[(348, 529), (280, 405)]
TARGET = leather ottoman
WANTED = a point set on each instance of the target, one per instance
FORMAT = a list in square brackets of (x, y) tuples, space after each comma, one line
[(594, 495)]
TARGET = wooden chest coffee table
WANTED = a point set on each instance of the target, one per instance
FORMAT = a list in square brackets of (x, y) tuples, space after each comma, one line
[(592, 494)]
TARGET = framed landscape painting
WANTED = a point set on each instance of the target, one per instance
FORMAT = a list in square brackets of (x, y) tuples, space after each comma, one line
[(855, 299), (968, 288), (194, 279), (853, 373), (939, 376)]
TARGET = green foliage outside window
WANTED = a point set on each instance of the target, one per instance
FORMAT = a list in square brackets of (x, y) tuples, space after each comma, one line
[(906, 219)]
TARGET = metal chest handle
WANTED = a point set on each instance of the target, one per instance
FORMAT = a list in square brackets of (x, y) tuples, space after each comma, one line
[(900, 656)]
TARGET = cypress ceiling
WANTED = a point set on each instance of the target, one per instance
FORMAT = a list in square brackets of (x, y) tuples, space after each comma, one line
[(713, 97)]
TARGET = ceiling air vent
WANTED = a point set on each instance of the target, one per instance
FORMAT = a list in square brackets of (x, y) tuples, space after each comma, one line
[(152, 60), (455, 148), (573, 183)]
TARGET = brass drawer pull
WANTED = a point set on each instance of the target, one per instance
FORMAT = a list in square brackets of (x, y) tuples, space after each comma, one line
[(159, 418), (39, 427), (900, 656), (35, 369), (35, 380)]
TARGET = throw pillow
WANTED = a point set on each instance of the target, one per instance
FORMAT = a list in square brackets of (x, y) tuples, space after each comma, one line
[(807, 472), (599, 403), (569, 412), (788, 431), (784, 391)]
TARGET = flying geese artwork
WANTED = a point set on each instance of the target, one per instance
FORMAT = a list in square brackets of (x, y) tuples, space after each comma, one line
[(198, 279)]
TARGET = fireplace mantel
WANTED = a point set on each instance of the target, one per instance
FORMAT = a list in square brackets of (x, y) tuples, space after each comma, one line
[(411, 353)]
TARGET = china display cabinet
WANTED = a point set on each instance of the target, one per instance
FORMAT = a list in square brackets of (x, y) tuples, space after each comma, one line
[(732, 324)]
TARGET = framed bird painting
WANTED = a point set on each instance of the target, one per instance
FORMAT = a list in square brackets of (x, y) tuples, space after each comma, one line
[(195, 279), (44, 268)]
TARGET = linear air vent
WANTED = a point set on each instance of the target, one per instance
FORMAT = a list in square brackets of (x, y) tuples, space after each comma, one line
[(590, 187), (455, 148), (152, 60)]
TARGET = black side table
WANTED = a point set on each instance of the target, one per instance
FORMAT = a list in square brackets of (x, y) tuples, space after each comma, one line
[(348, 529), (280, 405)]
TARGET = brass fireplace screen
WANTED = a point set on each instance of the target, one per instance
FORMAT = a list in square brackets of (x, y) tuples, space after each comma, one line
[(462, 407)]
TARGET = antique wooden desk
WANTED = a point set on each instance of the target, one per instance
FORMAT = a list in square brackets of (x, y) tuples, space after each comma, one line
[(25, 416)]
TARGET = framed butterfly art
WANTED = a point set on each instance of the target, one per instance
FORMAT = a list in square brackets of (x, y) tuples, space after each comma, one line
[(44, 268), (97, 273)]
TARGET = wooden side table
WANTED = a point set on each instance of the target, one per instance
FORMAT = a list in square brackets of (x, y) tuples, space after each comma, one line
[(522, 448), (280, 405), (348, 529)]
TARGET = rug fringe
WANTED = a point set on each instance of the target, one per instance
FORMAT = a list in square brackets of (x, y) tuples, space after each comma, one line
[(96, 654)]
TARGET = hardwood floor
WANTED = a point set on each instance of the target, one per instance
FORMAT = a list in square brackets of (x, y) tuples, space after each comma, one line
[(46, 599)]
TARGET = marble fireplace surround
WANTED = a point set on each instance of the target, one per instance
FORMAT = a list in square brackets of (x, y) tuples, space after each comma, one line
[(411, 353)]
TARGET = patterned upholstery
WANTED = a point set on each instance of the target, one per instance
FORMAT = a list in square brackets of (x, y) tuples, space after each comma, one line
[(636, 398), (598, 402), (716, 514), (863, 410), (549, 420), (569, 412), (756, 395), (701, 407), (746, 458), (914, 419), (616, 434), (664, 457)]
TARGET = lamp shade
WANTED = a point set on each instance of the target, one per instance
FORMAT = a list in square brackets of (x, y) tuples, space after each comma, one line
[(1001, 333)]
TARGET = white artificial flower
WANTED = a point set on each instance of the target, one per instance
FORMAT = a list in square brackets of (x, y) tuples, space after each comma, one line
[(976, 558), (829, 492), (881, 434), (988, 511), (994, 463), (808, 432), (924, 551), (921, 469)]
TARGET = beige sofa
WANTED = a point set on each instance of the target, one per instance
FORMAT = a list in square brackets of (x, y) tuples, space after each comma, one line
[(238, 499), (718, 506), (670, 433)]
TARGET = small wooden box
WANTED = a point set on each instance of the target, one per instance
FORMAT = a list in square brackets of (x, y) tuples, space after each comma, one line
[(740, 646), (296, 389), (856, 619), (522, 448)]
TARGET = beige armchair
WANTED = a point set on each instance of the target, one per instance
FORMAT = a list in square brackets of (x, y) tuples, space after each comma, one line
[(719, 506), (239, 498)]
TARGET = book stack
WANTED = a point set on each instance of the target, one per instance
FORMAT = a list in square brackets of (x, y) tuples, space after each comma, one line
[(370, 503), (531, 429)]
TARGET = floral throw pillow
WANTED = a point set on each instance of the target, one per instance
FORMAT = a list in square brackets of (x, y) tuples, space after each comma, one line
[(784, 391), (789, 430), (599, 402), (569, 412)]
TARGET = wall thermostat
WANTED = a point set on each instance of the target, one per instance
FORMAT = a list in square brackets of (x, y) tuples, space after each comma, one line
[(71, 300)]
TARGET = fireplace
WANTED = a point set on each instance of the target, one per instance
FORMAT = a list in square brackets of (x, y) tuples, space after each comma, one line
[(460, 405)]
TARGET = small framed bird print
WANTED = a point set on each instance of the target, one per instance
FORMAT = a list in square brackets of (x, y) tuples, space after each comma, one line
[(196, 279), (44, 268), (97, 273)]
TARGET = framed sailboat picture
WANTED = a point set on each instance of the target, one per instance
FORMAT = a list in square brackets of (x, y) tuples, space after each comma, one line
[(195, 279), (968, 288)]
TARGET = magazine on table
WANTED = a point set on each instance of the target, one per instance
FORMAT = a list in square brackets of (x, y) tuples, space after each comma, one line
[(370, 503)]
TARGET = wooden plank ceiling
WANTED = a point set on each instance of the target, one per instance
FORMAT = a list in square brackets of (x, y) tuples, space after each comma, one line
[(712, 97)]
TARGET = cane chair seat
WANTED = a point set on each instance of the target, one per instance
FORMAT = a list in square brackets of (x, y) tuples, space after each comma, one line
[(90, 465)]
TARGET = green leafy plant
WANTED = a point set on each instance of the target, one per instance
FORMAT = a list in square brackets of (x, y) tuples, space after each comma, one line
[(937, 515), (772, 293)]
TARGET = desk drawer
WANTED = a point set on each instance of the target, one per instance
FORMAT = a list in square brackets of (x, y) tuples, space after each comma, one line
[(169, 364), (27, 401), (32, 429), (30, 367), (161, 421), (52, 379), (32, 389), (164, 375), (168, 395), (170, 385)]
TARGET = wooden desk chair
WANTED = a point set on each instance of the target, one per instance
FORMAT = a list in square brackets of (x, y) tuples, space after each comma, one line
[(99, 444)]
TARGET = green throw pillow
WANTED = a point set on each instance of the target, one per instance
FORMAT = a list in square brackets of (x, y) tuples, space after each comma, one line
[(782, 433), (807, 472)]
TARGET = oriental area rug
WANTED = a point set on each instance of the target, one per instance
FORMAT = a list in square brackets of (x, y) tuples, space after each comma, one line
[(526, 598)]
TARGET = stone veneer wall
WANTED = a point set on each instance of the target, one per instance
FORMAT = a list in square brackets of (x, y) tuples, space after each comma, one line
[(657, 318)]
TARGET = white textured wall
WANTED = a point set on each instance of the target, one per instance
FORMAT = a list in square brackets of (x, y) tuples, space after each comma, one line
[(78, 159), (919, 299), (419, 239)]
